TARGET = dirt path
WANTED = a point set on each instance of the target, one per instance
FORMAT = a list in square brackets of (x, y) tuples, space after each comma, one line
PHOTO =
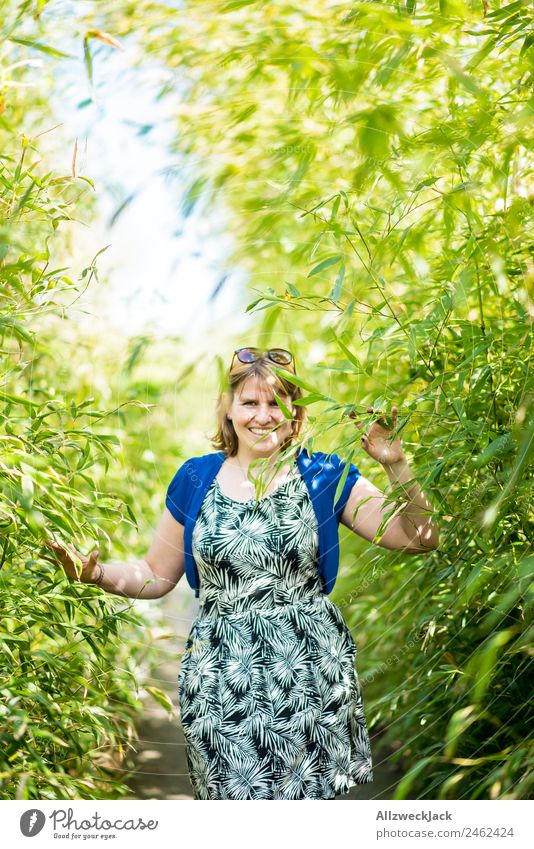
[(160, 760), (160, 752)]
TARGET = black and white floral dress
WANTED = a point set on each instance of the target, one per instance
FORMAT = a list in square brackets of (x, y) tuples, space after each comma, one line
[(269, 697)]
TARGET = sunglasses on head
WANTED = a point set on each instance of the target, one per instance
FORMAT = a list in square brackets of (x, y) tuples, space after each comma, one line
[(277, 355)]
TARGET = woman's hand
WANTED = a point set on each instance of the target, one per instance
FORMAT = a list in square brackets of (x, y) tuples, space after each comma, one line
[(68, 556), (377, 441)]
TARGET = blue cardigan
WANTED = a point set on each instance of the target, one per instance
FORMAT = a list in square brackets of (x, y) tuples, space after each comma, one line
[(321, 473)]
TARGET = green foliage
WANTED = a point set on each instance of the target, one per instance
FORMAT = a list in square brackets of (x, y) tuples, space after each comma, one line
[(373, 161), (70, 655), (374, 170)]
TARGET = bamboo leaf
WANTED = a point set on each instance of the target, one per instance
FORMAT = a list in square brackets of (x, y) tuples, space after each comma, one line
[(161, 698), (43, 48), (325, 263)]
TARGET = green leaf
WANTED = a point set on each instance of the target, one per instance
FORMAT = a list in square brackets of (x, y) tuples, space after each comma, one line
[(335, 208), (344, 475), (483, 665), (43, 48), (162, 698), (286, 411), (295, 379), (44, 734), (17, 399), (405, 784), (308, 399), (338, 286), (428, 181), (500, 446), (325, 263), (459, 722), (86, 180), (88, 59), (234, 5), (352, 357)]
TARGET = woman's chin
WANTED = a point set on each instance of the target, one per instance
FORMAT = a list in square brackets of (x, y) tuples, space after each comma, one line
[(265, 446)]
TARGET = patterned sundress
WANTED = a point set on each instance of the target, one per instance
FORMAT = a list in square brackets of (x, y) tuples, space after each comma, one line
[(270, 701)]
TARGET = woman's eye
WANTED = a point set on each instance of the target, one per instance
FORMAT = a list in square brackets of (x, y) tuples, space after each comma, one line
[(246, 403)]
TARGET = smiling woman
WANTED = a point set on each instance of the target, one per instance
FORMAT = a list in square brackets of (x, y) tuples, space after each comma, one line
[(270, 703)]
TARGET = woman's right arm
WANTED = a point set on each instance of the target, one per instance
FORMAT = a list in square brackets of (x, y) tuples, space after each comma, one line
[(151, 577)]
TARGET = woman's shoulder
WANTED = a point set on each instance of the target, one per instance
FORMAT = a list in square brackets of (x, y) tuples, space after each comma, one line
[(200, 462), (328, 467), (322, 459), (189, 475), (203, 459)]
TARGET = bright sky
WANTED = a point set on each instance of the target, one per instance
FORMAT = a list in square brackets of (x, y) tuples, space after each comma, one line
[(161, 268)]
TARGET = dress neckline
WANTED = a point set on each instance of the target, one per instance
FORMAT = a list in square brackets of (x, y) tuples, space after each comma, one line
[(291, 477)]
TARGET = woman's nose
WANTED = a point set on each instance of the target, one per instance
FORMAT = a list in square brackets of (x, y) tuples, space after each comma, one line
[(263, 414)]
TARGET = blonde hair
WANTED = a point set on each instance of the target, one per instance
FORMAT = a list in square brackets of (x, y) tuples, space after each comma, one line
[(225, 438)]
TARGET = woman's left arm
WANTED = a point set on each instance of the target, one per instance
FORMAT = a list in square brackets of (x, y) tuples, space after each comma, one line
[(415, 515), (411, 527)]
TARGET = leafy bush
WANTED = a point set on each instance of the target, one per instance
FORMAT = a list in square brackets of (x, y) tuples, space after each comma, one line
[(373, 171), (69, 654)]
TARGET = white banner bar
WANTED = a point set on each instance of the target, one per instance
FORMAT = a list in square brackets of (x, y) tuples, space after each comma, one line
[(358, 824)]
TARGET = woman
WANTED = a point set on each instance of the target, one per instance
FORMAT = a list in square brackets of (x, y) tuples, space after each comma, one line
[(269, 697)]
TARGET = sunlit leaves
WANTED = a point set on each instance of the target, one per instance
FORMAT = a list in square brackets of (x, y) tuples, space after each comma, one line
[(67, 689), (374, 165)]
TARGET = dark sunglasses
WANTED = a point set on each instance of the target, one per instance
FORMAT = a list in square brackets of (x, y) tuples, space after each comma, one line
[(277, 355)]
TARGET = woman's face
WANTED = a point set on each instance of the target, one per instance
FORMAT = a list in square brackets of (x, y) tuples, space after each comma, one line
[(258, 421)]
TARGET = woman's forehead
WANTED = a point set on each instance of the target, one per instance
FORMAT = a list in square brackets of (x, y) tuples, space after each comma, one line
[(255, 385)]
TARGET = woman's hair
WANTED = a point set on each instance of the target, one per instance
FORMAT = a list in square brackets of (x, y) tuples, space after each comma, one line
[(225, 438)]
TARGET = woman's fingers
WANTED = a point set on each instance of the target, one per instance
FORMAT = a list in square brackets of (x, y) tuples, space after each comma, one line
[(358, 422), (63, 554), (67, 557), (77, 566), (93, 557), (55, 546), (381, 420)]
